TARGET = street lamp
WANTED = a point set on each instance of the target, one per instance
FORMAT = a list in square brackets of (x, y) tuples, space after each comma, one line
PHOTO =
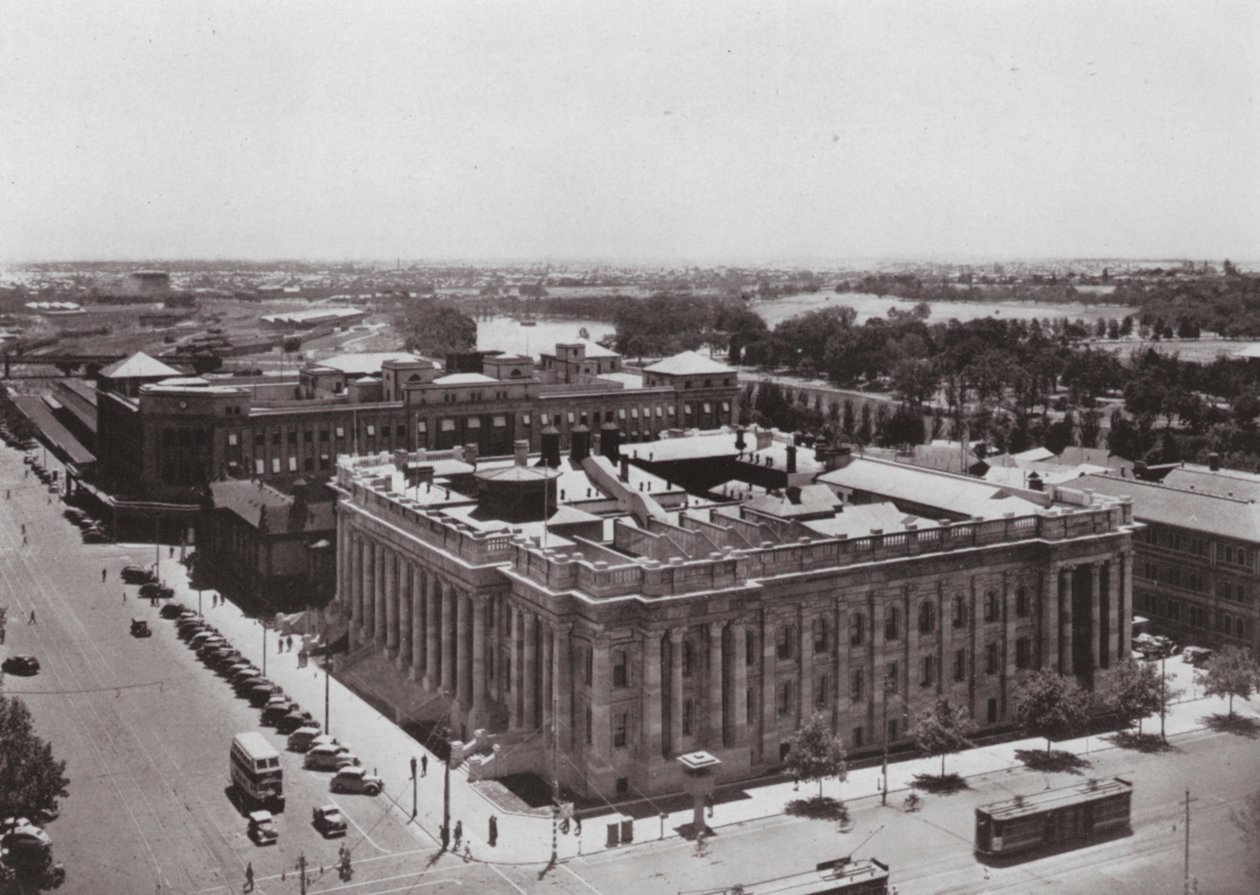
[(328, 666)]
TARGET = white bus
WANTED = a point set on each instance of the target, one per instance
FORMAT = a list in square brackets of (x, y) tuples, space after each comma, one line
[(255, 771)]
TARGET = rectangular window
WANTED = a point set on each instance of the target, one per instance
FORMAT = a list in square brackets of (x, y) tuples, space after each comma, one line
[(991, 658), (1022, 653), (857, 630), (821, 640), (341, 432), (620, 677), (659, 413), (473, 422), (259, 439), (892, 729), (371, 430), (323, 435), (422, 426), (634, 413), (448, 425), (589, 727), (688, 713), (500, 422), (927, 672), (708, 408), (525, 419), (260, 466), (726, 406), (750, 647), (621, 413), (232, 439), (993, 714), (784, 649), (275, 464), (590, 666), (892, 678), (786, 702), (275, 438), (822, 691), (308, 436), (859, 737), (686, 658), (856, 687), (960, 665), (619, 730), (293, 464), (750, 703), (400, 430)]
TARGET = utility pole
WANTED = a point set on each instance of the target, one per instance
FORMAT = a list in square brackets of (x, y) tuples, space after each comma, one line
[(1163, 697), (302, 872), (883, 791), (328, 665), (555, 776), (413, 786), (1187, 860)]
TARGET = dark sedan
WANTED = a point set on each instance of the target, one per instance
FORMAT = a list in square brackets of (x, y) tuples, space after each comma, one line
[(23, 665)]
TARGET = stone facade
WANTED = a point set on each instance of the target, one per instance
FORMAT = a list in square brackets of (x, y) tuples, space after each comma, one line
[(633, 662)]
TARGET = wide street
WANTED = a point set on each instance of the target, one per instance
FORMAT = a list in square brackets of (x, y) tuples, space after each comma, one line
[(145, 729)]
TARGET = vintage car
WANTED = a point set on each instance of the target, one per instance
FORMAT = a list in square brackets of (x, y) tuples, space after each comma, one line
[(262, 828), (23, 665), (137, 574), (1198, 656), (140, 628), (328, 758), (328, 820), (356, 780)]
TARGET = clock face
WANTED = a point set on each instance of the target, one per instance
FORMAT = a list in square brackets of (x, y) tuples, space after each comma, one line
[(183, 405)]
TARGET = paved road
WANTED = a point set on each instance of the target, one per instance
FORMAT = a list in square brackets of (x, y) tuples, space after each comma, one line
[(145, 730)]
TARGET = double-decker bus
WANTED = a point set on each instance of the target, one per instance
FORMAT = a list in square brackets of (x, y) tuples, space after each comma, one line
[(254, 768), (1054, 819), (844, 876)]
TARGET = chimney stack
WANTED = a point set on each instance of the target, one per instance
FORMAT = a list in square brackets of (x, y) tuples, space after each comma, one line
[(740, 443), (793, 494), (610, 441), (1214, 462), (579, 443), (624, 475), (521, 451), (550, 447), (791, 459), (470, 454)]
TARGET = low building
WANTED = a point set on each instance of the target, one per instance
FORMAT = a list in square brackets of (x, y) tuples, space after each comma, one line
[(1197, 570), (270, 544), (642, 623)]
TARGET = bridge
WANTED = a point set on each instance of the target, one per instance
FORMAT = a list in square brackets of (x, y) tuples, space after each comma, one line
[(68, 364)]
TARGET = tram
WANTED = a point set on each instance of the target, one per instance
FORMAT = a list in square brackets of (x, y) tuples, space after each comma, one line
[(1054, 819)]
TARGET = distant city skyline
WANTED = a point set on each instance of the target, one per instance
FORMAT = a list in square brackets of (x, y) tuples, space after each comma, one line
[(650, 134)]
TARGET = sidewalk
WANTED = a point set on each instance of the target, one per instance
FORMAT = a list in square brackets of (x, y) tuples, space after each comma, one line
[(386, 749)]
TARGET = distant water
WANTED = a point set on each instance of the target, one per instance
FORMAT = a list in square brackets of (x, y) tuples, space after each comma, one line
[(776, 310), (507, 334)]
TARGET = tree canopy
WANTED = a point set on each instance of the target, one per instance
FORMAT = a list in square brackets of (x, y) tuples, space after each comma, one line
[(814, 753), (1050, 706), (942, 730), (1231, 672), (1134, 691), (30, 778), (434, 330)]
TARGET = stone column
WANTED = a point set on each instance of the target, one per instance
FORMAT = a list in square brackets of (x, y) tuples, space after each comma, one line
[(447, 597), (562, 679), (390, 568), (737, 723), (382, 596), (432, 632), (356, 587), (651, 697), (1065, 598), (404, 615), (714, 727), (675, 690), (1049, 612), (805, 698), (1008, 644), (769, 721), (546, 696), (418, 618), (368, 589), (1125, 605), (463, 655), (529, 682), (601, 724), (479, 705), (514, 690), (1095, 616), (1111, 655)]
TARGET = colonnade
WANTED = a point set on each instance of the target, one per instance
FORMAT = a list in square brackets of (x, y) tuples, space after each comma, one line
[(1060, 627)]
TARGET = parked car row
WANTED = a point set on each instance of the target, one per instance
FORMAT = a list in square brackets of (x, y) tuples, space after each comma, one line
[(321, 751), (20, 442)]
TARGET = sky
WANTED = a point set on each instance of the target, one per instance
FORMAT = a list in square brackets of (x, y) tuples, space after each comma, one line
[(548, 130)]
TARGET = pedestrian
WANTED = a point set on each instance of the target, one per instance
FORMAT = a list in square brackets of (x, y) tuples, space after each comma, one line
[(467, 852), (103, 574), (31, 620), (494, 830), (171, 553), (249, 876), (424, 765), (124, 596), (459, 833), (25, 540), (23, 528)]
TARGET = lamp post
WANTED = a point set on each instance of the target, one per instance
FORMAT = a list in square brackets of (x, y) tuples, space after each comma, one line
[(1163, 696), (328, 666), (446, 791)]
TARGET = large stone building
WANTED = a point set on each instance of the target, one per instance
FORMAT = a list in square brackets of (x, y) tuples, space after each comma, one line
[(1196, 575), (163, 437), (642, 622)]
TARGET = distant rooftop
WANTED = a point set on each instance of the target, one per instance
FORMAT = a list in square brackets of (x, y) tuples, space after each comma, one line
[(688, 363), (466, 379), (138, 366), (365, 363), (927, 487), (1230, 517)]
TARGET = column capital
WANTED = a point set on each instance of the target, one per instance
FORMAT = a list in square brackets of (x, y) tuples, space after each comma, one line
[(676, 635), (715, 628)]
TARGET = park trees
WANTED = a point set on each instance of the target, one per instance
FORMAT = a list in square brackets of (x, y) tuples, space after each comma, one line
[(31, 779), (1134, 691), (1231, 672), (1050, 706), (815, 753), (942, 730), (435, 330)]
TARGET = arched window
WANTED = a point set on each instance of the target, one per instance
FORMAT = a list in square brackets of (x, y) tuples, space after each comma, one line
[(991, 607), (960, 611), (1021, 602), (892, 623), (927, 617), (857, 629)]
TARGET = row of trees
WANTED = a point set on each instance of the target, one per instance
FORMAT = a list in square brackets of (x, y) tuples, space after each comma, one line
[(1047, 705), (31, 779)]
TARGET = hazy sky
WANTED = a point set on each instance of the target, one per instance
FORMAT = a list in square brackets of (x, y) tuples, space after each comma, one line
[(623, 131)]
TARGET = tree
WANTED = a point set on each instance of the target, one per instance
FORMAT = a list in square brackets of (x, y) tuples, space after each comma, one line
[(31, 780), (1050, 706), (1134, 692), (814, 753), (942, 730), (1231, 672), (435, 330)]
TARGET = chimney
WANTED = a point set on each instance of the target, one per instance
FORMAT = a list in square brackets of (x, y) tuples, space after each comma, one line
[(740, 444), (470, 454), (610, 440), (521, 450), (793, 494), (400, 460), (624, 475), (579, 443), (1214, 462), (550, 447), (791, 459), (1035, 483), (764, 439)]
